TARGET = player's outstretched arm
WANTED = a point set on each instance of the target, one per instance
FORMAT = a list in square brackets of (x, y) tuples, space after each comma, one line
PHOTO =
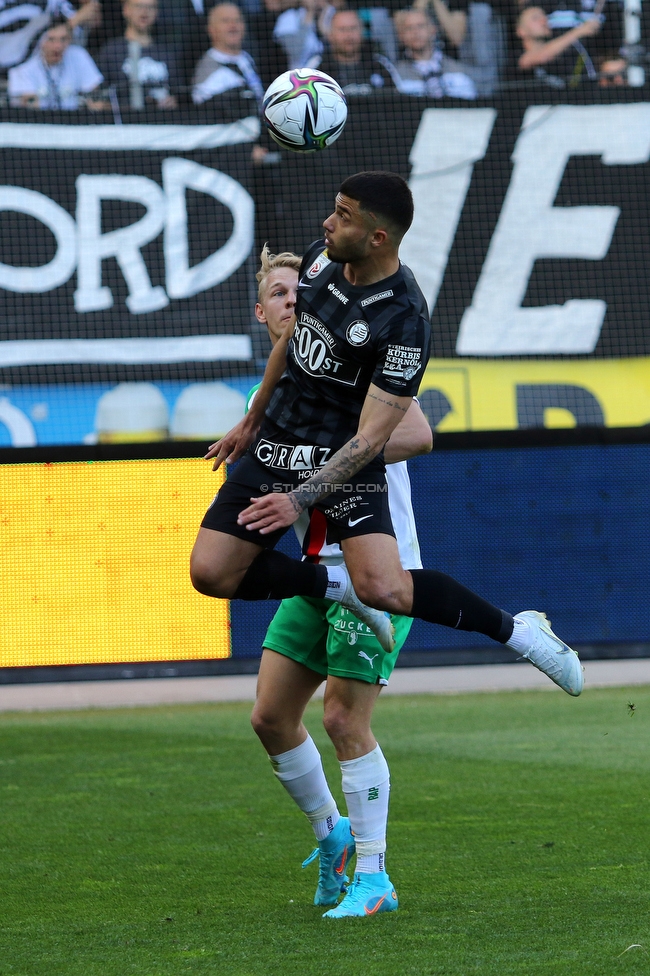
[(380, 416), (236, 442), (411, 437)]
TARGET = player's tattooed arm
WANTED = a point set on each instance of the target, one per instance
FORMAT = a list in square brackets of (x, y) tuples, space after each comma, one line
[(339, 469), (396, 402), (411, 437), (380, 416)]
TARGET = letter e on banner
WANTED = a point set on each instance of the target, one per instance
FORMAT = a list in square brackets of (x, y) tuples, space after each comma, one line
[(530, 227)]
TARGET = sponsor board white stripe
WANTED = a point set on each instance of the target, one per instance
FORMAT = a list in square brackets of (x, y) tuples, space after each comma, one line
[(162, 138), (186, 349)]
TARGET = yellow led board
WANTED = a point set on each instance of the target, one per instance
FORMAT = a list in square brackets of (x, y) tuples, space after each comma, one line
[(483, 394), (96, 563)]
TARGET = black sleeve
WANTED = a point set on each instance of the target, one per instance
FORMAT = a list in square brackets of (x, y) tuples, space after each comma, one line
[(402, 354), (457, 5)]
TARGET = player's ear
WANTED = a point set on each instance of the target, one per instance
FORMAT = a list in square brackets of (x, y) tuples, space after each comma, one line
[(259, 314), (379, 237)]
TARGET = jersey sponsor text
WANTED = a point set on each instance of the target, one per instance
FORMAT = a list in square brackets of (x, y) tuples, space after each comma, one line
[(376, 298)]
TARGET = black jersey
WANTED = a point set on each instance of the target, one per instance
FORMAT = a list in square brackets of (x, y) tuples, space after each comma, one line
[(346, 338)]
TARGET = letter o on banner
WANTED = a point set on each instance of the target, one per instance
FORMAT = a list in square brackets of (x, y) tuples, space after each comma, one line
[(61, 267)]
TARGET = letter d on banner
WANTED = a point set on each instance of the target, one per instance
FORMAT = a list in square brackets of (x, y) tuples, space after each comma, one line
[(178, 176)]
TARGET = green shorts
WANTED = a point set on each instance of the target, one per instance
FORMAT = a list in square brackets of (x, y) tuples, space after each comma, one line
[(329, 639)]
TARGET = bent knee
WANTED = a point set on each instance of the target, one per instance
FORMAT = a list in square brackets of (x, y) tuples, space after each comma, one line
[(338, 722), (372, 591), (269, 723), (209, 580)]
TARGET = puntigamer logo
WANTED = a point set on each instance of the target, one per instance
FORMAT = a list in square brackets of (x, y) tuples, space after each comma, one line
[(313, 347)]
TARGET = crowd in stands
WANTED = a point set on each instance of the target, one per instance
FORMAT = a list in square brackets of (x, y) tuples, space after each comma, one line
[(131, 54)]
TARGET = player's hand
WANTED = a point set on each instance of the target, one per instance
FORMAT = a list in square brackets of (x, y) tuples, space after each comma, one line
[(269, 513), (232, 445)]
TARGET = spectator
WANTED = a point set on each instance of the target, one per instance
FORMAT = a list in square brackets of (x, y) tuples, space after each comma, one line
[(485, 48), (450, 18), (612, 71), (86, 22), (226, 67), (565, 14), (558, 61), (21, 23), (182, 25), (140, 69), (269, 54), (425, 70), (302, 32), (348, 59), (56, 73)]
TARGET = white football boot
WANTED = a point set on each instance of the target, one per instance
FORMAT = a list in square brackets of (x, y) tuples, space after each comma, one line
[(551, 655)]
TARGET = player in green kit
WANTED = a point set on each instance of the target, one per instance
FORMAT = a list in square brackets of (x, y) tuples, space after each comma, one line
[(312, 640)]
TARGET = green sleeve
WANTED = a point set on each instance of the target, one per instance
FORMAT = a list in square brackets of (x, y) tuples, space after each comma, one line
[(251, 396)]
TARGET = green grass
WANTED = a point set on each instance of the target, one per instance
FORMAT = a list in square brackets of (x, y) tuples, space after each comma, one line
[(156, 841)]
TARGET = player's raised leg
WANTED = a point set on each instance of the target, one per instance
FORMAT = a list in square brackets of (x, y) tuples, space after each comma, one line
[(219, 562), (380, 581), (230, 562)]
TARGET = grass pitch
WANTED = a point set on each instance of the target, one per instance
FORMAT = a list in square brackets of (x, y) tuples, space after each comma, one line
[(157, 841)]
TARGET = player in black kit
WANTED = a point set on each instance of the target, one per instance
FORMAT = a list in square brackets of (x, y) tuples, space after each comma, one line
[(335, 388)]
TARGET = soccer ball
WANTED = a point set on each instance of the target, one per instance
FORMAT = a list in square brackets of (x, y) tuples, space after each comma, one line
[(304, 110)]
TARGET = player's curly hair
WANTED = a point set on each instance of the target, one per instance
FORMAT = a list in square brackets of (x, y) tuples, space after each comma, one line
[(271, 262)]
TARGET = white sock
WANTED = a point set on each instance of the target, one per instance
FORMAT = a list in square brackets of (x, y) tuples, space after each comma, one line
[(366, 785), (337, 582), (370, 863), (301, 773), (521, 636)]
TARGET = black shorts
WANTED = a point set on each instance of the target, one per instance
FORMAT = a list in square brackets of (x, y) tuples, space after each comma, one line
[(357, 508)]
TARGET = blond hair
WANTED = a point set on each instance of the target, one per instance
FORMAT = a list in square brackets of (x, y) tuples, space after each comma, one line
[(271, 262)]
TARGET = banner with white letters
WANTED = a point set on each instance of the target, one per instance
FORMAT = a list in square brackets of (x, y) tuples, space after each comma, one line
[(128, 252)]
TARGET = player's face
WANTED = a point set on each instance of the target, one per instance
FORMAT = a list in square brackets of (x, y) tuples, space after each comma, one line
[(278, 301), (348, 231)]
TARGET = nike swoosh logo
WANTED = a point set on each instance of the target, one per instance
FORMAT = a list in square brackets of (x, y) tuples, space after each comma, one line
[(375, 908), (340, 867), (356, 521)]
